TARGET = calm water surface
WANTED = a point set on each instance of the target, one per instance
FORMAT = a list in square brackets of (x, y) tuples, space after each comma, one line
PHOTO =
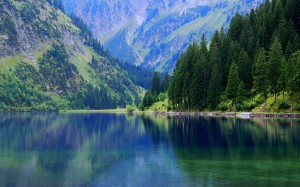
[(52, 149)]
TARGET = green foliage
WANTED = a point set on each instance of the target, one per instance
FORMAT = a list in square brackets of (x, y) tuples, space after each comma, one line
[(155, 88), (157, 92), (214, 89), (59, 74), (261, 73), (16, 94), (130, 109), (233, 82), (274, 66), (284, 105), (241, 96), (258, 42)]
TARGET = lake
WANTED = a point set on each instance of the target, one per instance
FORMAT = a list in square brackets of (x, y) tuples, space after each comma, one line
[(59, 149)]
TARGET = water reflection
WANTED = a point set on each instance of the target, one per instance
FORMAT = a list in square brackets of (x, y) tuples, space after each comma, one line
[(53, 149)]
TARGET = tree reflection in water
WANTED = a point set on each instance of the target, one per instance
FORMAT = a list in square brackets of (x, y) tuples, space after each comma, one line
[(54, 149)]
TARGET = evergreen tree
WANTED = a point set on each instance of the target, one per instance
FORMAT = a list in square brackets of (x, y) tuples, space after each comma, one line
[(260, 79), (199, 83), (215, 88), (278, 12), (295, 75), (155, 88), (283, 77), (245, 69), (241, 95), (236, 27), (215, 59), (233, 82), (165, 83), (274, 65)]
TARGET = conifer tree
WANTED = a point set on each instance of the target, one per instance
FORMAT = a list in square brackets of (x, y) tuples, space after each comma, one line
[(274, 65), (260, 79), (241, 95), (215, 88), (233, 82), (199, 84), (295, 79), (155, 83), (245, 69), (283, 77)]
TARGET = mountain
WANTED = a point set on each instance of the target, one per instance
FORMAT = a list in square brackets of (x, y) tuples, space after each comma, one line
[(51, 61), (152, 33)]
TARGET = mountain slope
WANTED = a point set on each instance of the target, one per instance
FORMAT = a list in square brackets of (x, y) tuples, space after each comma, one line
[(153, 33), (56, 56)]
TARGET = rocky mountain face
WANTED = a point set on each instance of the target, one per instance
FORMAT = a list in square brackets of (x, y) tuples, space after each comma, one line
[(59, 50), (151, 32)]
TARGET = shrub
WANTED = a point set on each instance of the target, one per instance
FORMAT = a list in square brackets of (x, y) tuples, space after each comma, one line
[(284, 105), (224, 105), (130, 109)]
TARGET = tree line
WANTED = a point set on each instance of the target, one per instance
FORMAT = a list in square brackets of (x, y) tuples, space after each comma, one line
[(256, 58), (158, 90)]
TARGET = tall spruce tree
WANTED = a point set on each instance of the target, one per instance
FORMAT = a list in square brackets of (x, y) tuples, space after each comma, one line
[(295, 79), (155, 88), (241, 95), (215, 88), (245, 69), (260, 79), (274, 65), (233, 82)]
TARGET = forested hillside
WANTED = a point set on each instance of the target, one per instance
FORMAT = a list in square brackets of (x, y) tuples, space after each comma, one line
[(49, 61), (257, 61)]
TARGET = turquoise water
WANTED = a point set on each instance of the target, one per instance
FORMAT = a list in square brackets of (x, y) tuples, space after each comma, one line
[(53, 149)]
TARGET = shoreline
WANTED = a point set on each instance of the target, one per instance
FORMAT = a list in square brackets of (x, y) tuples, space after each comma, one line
[(244, 115)]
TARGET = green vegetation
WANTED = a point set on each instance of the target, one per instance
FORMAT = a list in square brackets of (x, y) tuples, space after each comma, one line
[(157, 92), (130, 109), (255, 60), (59, 65)]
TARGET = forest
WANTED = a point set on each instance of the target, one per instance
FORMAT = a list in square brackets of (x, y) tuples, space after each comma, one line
[(255, 61)]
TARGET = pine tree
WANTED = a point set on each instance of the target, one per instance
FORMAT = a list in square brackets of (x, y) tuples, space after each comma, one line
[(236, 27), (215, 88), (215, 57), (295, 75), (199, 83), (241, 95), (283, 77), (233, 82), (233, 55), (260, 79), (278, 12), (245, 69), (165, 83), (155, 83), (274, 65), (262, 34)]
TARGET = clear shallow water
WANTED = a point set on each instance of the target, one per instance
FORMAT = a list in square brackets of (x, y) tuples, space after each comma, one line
[(51, 149)]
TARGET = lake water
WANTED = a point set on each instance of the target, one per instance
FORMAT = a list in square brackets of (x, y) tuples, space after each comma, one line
[(54, 149)]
